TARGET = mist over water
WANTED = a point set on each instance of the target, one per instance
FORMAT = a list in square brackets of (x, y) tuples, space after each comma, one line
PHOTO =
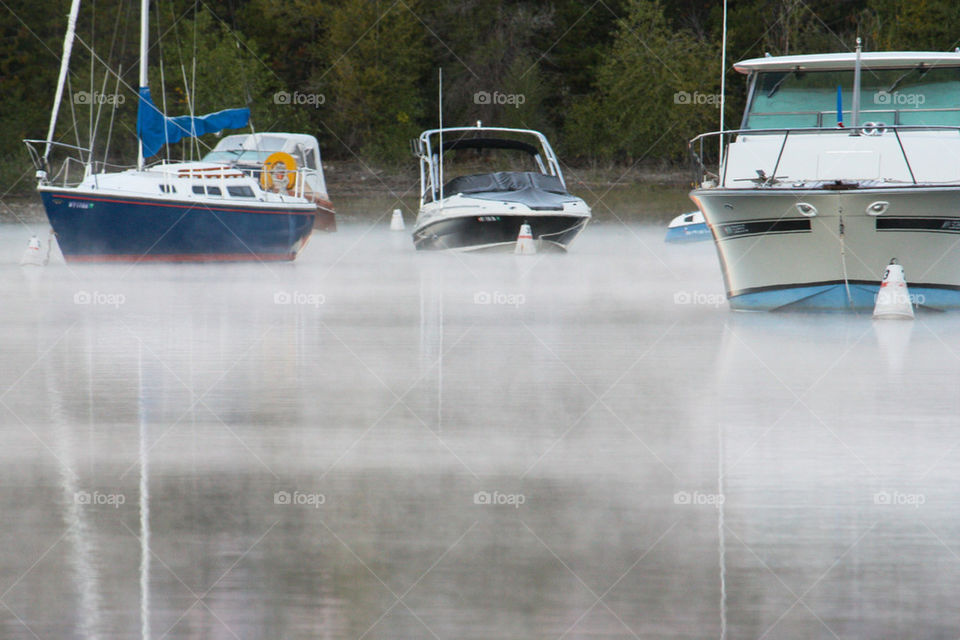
[(376, 443)]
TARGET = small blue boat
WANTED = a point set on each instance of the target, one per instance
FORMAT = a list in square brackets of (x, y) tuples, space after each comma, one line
[(689, 227)]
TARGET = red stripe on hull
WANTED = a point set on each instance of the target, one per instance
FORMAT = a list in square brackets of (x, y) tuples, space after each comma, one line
[(184, 257), (202, 206)]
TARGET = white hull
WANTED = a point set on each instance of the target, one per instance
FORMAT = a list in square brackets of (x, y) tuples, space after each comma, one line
[(466, 224), (772, 256)]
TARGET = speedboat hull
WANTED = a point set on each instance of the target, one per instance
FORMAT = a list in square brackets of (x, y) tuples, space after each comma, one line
[(110, 228), (492, 232), (686, 228), (826, 250)]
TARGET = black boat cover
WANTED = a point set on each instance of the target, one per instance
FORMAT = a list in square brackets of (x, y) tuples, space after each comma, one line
[(538, 191)]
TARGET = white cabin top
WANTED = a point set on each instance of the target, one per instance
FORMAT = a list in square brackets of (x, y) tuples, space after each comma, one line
[(267, 141), (844, 61), (257, 146), (248, 152)]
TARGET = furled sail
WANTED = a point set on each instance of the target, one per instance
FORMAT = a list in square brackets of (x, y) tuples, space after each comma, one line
[(155, 129)]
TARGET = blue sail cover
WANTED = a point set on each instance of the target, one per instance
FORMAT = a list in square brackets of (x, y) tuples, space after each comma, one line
[(155, 129)]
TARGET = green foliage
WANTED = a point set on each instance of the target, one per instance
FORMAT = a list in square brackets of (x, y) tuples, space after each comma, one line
[(30, 44), (229, 73), (654, 92), (371, 87), (917, 25), (599, 78)]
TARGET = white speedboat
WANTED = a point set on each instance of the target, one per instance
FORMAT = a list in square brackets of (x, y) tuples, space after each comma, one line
[(811, 199), (485, 211)]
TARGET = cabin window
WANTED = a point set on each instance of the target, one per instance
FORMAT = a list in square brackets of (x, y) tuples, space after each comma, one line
[(242, 191), (270, 143), (310, 159), (167, 188), (198, 189), (214, 191), (907, 96)]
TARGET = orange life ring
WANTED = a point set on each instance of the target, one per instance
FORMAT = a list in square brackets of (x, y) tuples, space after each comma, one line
[(279, 172)]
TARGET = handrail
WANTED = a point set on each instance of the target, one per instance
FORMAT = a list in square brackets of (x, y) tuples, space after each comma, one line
[(39, 162), (62, 175), (700, 170)]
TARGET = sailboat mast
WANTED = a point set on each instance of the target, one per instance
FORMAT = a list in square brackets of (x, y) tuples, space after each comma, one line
[(62, 79), (440, 110), (144, 46), (723, 80)]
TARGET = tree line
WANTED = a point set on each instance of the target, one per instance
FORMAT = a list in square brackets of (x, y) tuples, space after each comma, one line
[(609, 81)]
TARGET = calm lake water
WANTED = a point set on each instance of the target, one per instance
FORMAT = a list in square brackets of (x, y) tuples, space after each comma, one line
[(374, 443)]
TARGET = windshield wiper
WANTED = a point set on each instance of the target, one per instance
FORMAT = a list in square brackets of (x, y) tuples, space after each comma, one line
[(921, 68), (776, 87)]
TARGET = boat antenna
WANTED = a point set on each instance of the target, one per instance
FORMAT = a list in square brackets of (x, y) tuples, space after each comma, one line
[(440, 110), (144, 45), (61, 80), (723, 77), (855, 106)]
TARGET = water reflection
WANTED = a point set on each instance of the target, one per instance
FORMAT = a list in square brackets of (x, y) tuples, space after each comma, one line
[(466, 446)]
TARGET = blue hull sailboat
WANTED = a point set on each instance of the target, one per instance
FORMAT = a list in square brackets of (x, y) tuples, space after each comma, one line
[(198, 211)]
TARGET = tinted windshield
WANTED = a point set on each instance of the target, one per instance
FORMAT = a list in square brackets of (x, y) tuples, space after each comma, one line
[(912, 96)]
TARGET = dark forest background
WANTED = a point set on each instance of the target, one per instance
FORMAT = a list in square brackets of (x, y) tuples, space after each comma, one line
[(600, 78)]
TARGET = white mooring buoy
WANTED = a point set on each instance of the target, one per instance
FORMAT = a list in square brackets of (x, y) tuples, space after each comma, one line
[(33, 256), (525, 243), (893, 299), (396, 221)]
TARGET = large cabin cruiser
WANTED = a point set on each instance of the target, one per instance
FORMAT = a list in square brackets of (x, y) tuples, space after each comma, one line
[(842, 163), (484, 211)]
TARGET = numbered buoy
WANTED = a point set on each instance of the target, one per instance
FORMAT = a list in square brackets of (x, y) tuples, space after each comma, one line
[(893, 298), (525, 243), (33, 256), (396, 221)]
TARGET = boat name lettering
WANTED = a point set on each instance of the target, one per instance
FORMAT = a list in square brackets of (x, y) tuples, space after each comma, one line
[(735, 229), (755, 227), (80, 205), (488, 219)]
